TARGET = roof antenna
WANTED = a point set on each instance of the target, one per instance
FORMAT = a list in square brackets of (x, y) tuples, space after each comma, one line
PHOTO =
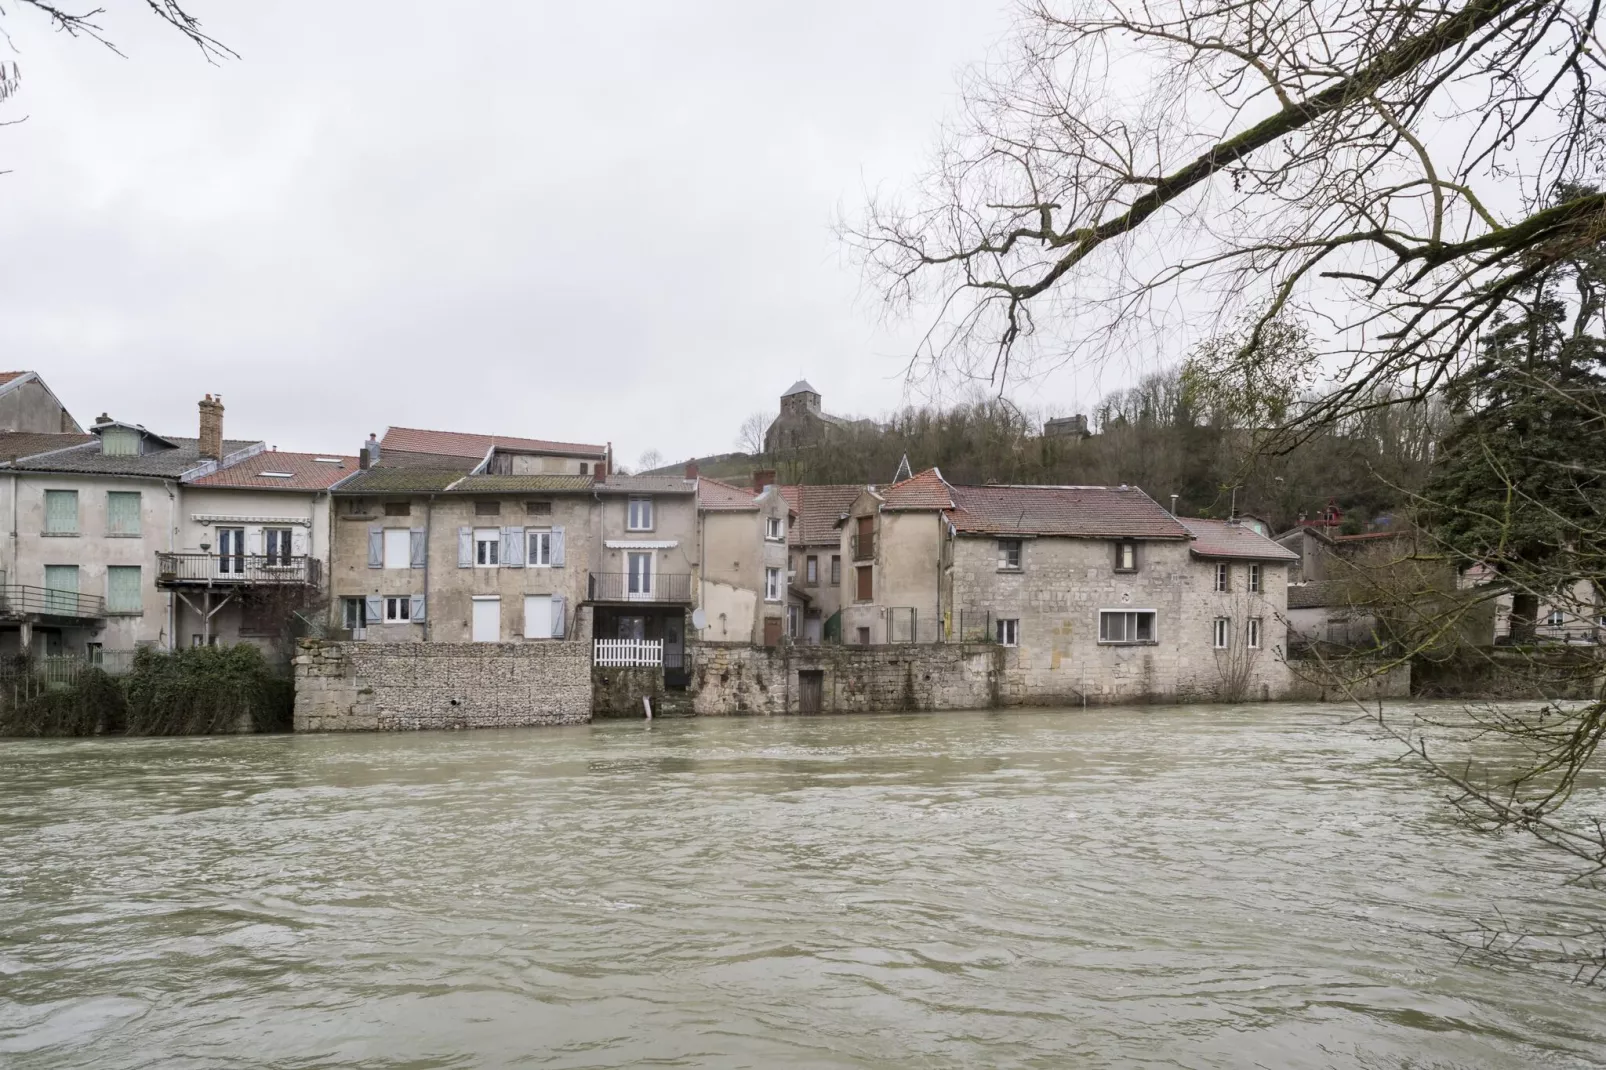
[(903, 472)]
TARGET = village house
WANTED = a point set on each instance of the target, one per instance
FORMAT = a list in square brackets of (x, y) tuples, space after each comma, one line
[(643, 584), (457, 451), (816, 543), (744, 588), (893, 544)]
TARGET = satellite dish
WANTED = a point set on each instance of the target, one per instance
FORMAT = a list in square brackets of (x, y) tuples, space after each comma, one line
[(699, 619)]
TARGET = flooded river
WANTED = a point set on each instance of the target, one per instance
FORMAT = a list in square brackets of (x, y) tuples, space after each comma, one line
[(1169, 887)]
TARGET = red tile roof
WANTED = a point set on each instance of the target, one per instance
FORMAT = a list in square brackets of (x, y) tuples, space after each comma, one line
[(818, 509), (715, 495), (927, 490), (6, 377), (1218, 538), (463, 444), (305, 471), (1076, 512)]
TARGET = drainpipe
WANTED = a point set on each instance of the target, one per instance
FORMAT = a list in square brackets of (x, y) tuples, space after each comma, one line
[(172, 607), (429, 526)]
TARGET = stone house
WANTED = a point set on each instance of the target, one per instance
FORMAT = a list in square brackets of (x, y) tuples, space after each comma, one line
[(893, 545), (90, 519), (802, 422), (449, 451), (251, 548), (745, 587), (816, 544), (643, 583)]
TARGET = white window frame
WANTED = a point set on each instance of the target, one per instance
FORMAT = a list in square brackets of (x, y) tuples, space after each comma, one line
[(1220, 630), (638, 514), (398, 609), (539, 551), (1223, 577), (354, 613), (772, 585), (487, 547), (811, 570), (1126, 550), (1004, 562), (1006, 630), (1254, 579), (398, 548), (286, 536), (1253, 633), (774, 529), (645, 594), (1556, 618), (1154, 626)]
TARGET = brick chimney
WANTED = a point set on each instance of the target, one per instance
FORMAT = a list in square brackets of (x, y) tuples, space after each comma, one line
[(211, 444), (762, 478), (691, 471), (599, 471)]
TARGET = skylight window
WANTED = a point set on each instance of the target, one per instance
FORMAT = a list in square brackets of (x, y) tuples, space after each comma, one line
[(275, 475), (330, 460)]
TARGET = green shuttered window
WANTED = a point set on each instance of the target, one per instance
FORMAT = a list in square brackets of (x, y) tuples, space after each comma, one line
[(122, 512), (122, 589), (61, 512)]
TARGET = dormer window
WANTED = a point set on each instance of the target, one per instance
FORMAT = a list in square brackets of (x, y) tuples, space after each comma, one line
[(120, 442)]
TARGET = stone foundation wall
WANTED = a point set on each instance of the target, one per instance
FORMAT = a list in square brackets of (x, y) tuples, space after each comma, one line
[(1347, 680), (368, 687), (729, 678)]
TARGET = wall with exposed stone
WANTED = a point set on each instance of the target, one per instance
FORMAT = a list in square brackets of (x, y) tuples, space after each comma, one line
[(377, 687), (1348, 679), (734, 679)]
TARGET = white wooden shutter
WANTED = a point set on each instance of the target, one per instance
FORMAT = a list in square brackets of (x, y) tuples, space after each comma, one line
[(465, 547), (557, 547)]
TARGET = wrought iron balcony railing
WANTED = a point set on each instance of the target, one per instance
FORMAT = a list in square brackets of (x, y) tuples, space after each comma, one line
[(22, 600), (258, 569), (660, 587)]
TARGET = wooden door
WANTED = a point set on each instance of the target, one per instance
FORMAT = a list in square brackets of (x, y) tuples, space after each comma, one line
[(866, 588), (810, 690), (772, 631)]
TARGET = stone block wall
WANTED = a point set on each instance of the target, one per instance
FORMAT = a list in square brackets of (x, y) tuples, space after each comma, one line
[(731, 679), (368, 687), (1348, 679)]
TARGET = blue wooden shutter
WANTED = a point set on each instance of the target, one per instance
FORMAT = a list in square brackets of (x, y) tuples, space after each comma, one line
[(374, 609), (513, 547), (418, 546), (376, 546), (417, 608), (465, 547), (557, 547), (557, 616)]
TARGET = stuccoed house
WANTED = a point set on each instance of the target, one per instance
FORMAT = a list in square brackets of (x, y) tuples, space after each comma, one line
[(493, 544), (1092, 593), (252, 546), (816, 550), (747, 591), (642, 587), (89, 521)]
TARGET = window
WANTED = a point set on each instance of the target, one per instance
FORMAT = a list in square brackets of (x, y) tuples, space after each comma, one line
[(584, 468), (1009, 555), (538, 616), (119, 442), (122, 512), (864, 636), (811, 571), (772, 585), (276, 546), (398, 508), (398, 548), (1254, 578), (640, 515), (638, 574), (1223, 577), (1007, 632), (866, 587), (487, 508), (836, 570), (487, 546), (538, 508), (774, 531), (196, 640), (398, 609), (1254, 633), (540, 554), (122, 589), (1556, 618), (1126, 557), (794, 622), (1126, 626), (1218, 632), (354, 614), (61, 588), (61, 512), (231, 551)]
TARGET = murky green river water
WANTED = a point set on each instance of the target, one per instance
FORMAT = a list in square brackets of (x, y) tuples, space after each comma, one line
[(1195, 887)]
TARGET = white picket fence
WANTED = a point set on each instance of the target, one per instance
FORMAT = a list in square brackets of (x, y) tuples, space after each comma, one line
[(628, 653)]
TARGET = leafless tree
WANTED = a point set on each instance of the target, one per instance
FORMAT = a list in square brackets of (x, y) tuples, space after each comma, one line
[(750, 437), (1148, 171), (649, 460), (89, 24)]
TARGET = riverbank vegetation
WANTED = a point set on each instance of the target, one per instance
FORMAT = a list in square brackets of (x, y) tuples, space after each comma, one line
[(201, 691)]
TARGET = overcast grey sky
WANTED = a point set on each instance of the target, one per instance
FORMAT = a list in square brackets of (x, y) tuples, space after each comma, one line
[(579, 221)]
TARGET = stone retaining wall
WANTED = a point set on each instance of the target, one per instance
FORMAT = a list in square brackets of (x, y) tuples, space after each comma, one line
[(1364, 679), (729, 678), (367, 687)]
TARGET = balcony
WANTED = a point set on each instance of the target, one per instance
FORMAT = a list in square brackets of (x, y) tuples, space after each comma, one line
[(22, 602), (862, 544), (236, 570), (663, 588)]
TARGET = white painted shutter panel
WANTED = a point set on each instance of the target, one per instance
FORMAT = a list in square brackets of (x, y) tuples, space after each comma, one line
[(417, 608), (513, 547), (418, 545), (253, 541), (298, 542), (376, 546), (374, 609), (557, 548), (557, 616), (465, 547)]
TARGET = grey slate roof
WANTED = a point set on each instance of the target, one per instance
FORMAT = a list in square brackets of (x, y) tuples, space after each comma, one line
[(163, 464), (1218, 538), (14, 444), (647, 485), (800, 387), (533, 483), (398, 481)]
